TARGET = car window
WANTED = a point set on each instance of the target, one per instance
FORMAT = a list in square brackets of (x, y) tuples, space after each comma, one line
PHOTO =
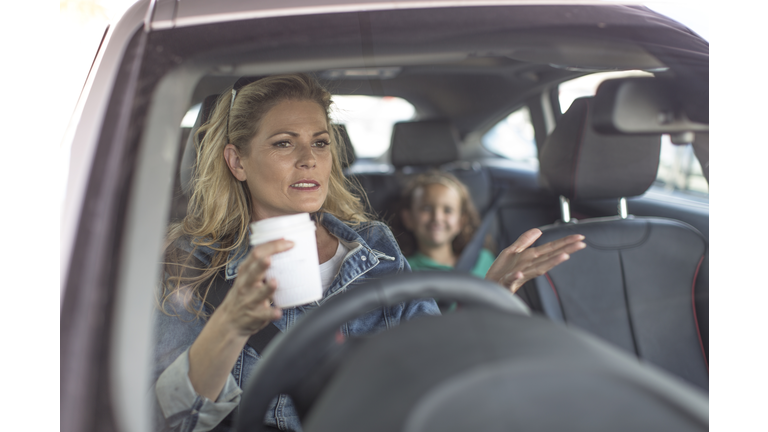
[(679, 170), (189, 118), (513, 138), (369, 121)]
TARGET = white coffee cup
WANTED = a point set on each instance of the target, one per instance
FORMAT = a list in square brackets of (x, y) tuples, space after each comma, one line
[(297, 270)]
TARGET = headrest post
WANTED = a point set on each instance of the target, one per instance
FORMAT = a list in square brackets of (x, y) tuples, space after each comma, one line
[(565, 209), (623, 208)]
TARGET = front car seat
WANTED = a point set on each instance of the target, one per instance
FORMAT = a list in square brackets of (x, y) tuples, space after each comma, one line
[(635, 285)]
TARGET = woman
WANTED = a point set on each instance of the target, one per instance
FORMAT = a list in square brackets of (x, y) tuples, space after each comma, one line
[(269, 150)]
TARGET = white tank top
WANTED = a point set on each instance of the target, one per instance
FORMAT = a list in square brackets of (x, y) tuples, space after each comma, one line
[(330, 268)]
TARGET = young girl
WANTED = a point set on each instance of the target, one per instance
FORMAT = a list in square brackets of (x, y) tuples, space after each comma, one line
[(438, 219)]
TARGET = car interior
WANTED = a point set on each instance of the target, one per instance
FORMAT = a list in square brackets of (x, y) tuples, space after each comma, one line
[(627, 318), (639, 285), (606, 290)]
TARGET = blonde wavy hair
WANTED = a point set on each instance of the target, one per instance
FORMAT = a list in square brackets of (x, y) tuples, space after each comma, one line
[(220, 208)]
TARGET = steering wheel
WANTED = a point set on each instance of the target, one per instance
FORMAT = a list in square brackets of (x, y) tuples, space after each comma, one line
[(291, 356)]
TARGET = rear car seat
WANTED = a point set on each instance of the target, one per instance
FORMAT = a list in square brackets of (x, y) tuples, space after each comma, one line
[(422, 145), (417, 147), (637, 282)]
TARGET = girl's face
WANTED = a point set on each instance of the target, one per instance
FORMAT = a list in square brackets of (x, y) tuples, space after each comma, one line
[(435, 216), (288, 165)]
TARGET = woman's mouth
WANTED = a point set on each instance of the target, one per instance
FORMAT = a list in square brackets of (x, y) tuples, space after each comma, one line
[(306, 185)]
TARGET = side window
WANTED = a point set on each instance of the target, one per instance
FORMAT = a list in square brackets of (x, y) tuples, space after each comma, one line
[(189, 118), (369, 121), (513, 138), (679, 170)]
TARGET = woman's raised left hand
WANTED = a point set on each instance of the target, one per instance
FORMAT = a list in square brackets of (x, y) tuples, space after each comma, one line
[(520, 263)]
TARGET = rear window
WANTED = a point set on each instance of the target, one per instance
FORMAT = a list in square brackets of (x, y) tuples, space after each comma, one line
[(513, 138), (369, 121)]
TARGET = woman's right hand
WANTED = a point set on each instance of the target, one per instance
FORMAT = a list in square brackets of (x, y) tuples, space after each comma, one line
[(245, 310), (248, 304), (520, 262)]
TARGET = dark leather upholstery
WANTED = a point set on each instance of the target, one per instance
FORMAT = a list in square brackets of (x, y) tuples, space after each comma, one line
[(579, 163), (349, 153), (424, 143), (187, 169), (635, 283)]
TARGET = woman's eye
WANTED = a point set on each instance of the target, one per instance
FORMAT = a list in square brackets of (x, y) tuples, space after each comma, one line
[(281, 144), (322, 143)]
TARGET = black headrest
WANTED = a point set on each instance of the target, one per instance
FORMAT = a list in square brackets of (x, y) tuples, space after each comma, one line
[(430, 142), (579, 163), (190, 151), (347, 143)]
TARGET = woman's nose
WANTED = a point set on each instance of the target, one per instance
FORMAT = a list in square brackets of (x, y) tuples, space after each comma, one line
[(306, 157)]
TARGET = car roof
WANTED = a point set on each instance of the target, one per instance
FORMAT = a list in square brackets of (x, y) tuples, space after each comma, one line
[(470, 64), (182, 13)]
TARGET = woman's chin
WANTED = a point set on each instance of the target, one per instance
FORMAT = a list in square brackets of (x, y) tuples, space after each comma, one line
[(310, 208), (287, 208), (308, 204)]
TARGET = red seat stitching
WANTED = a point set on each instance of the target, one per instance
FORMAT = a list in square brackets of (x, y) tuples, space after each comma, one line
[(553, 287), (695, 318)]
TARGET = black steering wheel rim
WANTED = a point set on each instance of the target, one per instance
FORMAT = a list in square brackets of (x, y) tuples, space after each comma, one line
[(291, 355)]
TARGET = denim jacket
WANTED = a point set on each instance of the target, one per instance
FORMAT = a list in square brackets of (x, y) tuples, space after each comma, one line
[(373, 252)]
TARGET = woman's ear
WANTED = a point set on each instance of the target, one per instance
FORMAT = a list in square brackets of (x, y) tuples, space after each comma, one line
[(407, 218), (234, 162)]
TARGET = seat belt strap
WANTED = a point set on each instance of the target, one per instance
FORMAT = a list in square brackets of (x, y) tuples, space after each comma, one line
[(471, 252), (257, 341)]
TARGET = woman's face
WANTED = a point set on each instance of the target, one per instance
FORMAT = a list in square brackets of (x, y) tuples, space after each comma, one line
[(288, 165), (435, 215)]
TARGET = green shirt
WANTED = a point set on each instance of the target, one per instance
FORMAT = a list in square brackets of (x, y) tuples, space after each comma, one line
[(419, 261)]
